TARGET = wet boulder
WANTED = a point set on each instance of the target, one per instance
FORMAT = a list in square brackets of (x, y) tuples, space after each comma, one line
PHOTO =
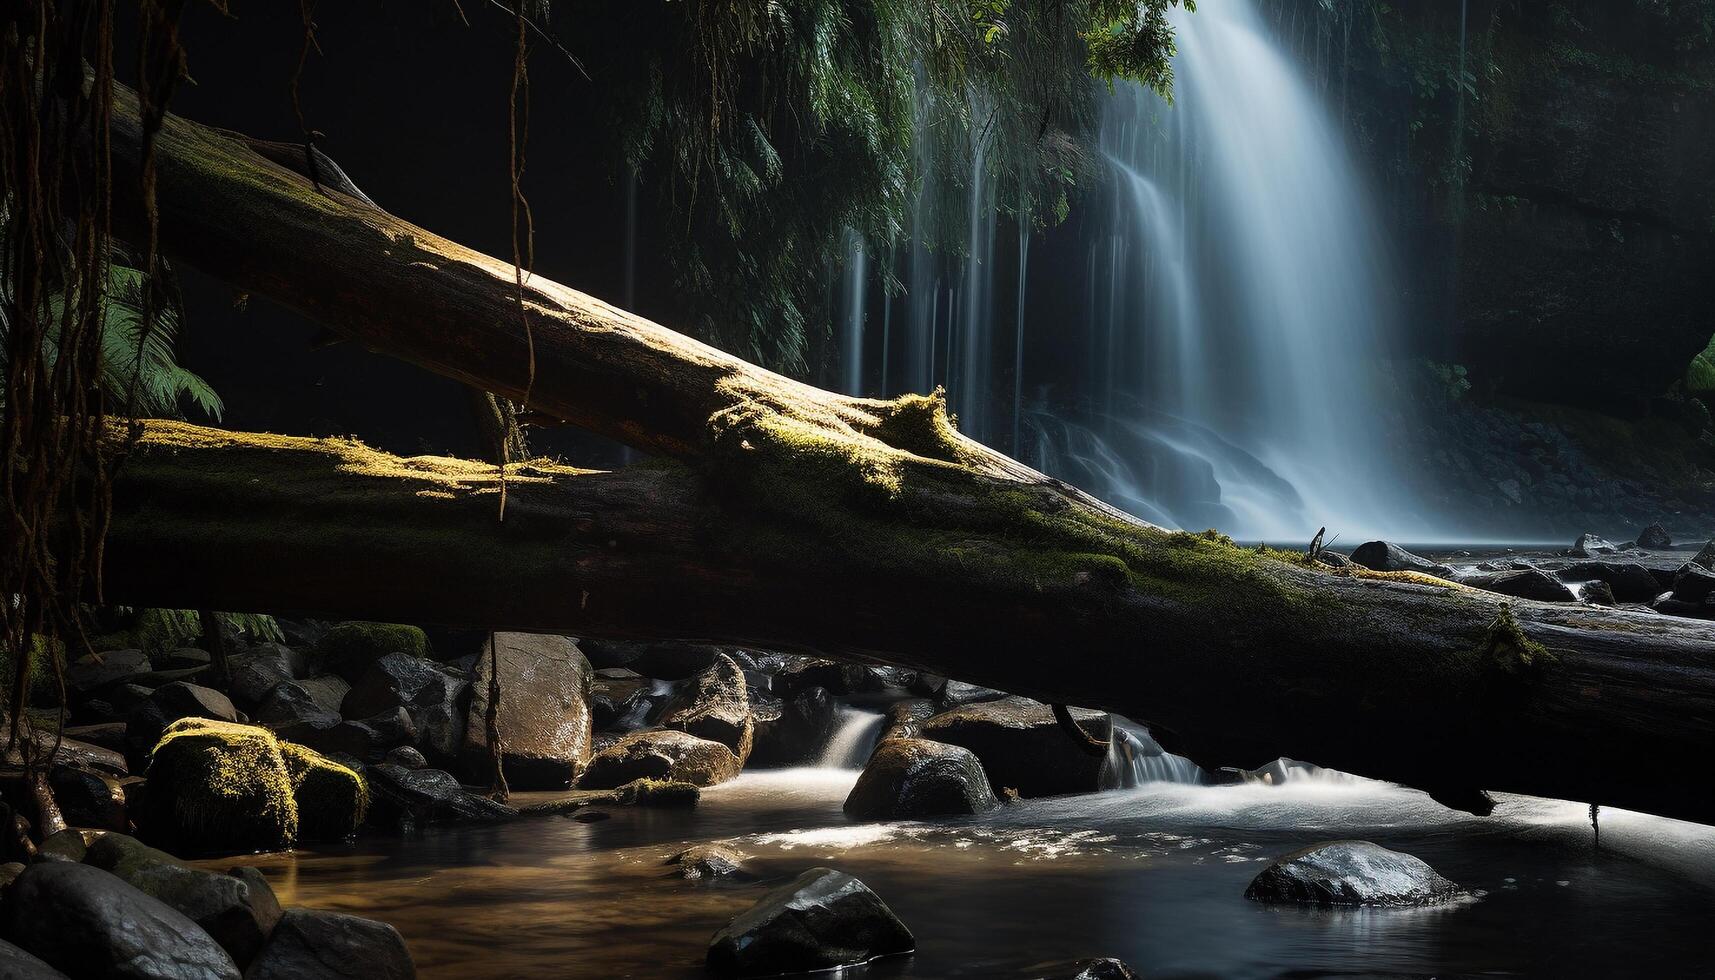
[(954, 693), (708, 862), (1106, 968), (1655, 537), (218, 786), (257, 672), (544, 717), (619, 696), (1705, 556), (168, 704), (237, 909), (1693, 583), (1385, 556), (792, 731), (312, 945), (290, 706), (183, 658), (822, 920), (332, 799), (407, 757), (660, 754), (1525, 584), (93, 671), (1590, 546), (403, 798), (15, 964), (428, 694), (905, 717), (88, 923), (89, 799), (1597, 594), (836, 676), (714, 705), (124, 855), (1630, 581), (349, 648), (911, 778), (1350, 872), (1022, 746)]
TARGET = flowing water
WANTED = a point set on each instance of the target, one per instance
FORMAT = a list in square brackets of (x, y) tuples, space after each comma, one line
[(1238, 311), (854, 739), (1154, 875)]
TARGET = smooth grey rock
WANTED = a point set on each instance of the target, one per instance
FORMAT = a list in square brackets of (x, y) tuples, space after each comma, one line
[(312, 945), (1350, 872), (822, 920), (1630, 581), (238, 909), (1590, 546), (707, 862), (15, 964), (910, 778), (1527, 584), (407, 757), (86, 922), (1021, 745)]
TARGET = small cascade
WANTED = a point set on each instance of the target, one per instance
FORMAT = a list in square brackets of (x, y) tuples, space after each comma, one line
[(854, 739), (1284, 770), (1135, 758)]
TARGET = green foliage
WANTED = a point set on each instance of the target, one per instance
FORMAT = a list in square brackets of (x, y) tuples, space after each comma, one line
[(138, 368), (156, 631), (1132, 39), (768, 128)]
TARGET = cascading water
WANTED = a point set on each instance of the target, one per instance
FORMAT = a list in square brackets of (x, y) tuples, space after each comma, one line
[(1247, 302), (853, 740), (1135, 758), (1237, 311)]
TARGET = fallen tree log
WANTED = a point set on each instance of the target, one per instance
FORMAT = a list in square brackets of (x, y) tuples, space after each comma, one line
[(801, 519)]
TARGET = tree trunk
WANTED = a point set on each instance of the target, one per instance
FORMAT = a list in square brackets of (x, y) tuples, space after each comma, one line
[(801, 519)]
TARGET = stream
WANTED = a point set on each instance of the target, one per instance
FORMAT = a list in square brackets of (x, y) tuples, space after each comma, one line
[(1154, 875)]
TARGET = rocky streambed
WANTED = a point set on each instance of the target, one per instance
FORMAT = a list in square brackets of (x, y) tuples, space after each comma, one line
[(686, 810)]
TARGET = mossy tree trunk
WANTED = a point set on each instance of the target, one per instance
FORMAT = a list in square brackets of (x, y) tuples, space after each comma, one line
[(791, 517)]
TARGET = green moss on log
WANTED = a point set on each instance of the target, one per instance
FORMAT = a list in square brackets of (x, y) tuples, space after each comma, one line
[(358, 642), (1505, 647)]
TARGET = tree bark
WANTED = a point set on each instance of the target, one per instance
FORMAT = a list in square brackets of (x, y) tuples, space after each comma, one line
[(800, 519)]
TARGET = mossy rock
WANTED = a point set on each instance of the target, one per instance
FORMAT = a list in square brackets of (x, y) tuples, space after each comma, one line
[(350, 648), (219, 786), (332, 799)]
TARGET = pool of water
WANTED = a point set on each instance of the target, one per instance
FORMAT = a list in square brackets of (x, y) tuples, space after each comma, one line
[(1154, 875)]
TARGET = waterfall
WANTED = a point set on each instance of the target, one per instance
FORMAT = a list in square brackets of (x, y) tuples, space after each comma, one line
[(853, 740), (1135, 758), (1240, 305)]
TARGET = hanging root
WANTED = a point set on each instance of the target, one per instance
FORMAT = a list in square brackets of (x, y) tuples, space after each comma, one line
[(1086, 741)]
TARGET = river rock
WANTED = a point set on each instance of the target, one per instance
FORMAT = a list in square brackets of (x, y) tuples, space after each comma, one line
[(349, 648), (1654, 537), (1107, 968), (1693, 583), (660, 754), (94, 671), (1021, 745), (618, 697), (168, 704), (714, 705), (1705, 556), (369, 739), (218, 786), (910, 778), (1590, 546), (707, 862), (904, 718), (289, 705), (1349, 872), (1630, 581), (237, 909), (1526, 584), (954, 693), (183, 658), (89, 799), (544, 711), (1597, 594), (822, 920), (407, 757), (256, 673), (15, 964), (1385, 556), (795, 730), (124, 855), (403, 798), (88, 923), (429, 694), (331, 797), (838, 677), (312, 945)]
